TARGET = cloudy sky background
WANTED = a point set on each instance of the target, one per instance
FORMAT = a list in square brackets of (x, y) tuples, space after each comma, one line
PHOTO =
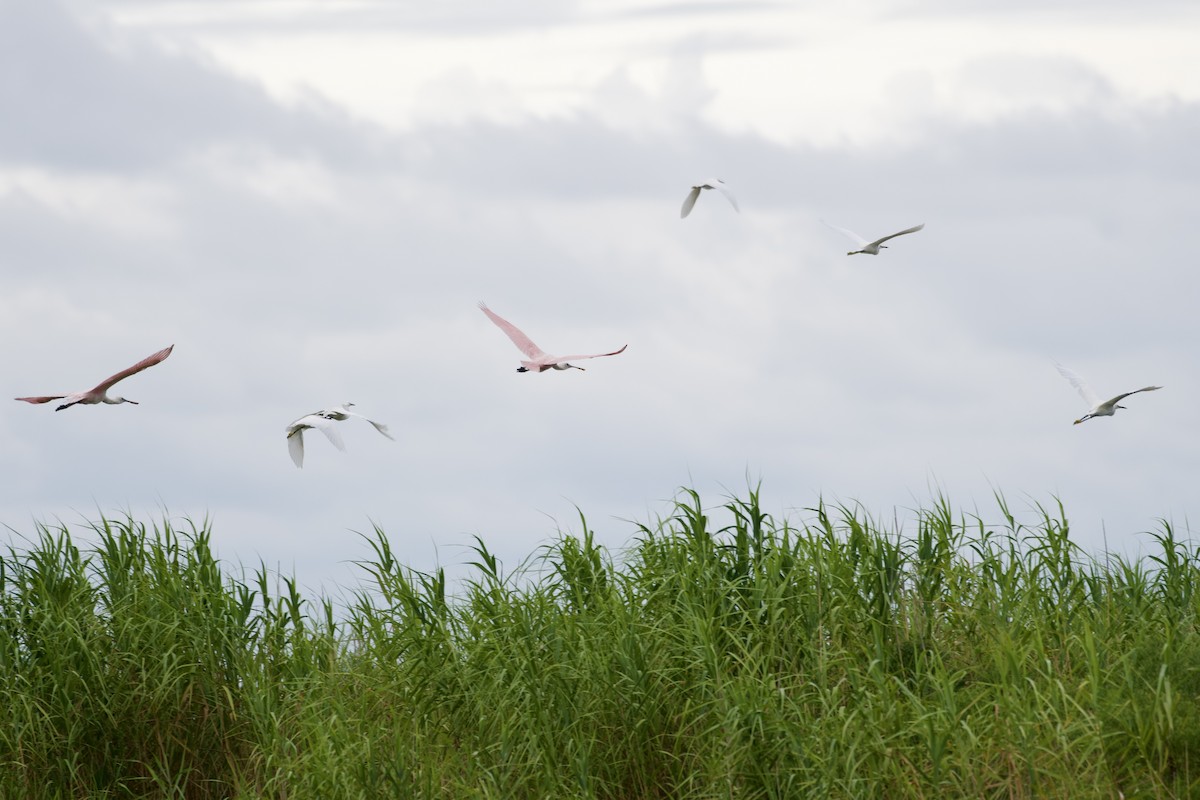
[(309, 198)]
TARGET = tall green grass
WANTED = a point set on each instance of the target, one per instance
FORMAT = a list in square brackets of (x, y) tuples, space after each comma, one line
[(723, 654)]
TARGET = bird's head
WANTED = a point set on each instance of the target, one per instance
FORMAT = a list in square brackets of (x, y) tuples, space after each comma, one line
[(565, 365), (118, 400)]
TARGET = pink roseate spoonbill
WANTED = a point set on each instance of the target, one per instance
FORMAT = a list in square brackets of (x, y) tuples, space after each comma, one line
[(871, 248), (538, 360), (323, 421), (713, 183), (1099, 409), (99, 393)]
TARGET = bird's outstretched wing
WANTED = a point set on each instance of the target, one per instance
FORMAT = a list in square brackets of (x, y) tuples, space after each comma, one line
[(322, 423), (41, 399), (1121, 397), (1084, 390), (296, 446), (148, 361), (723, 189), (851, 235), (326, 427), (379, 426), (561, 359), (712, 183), (913, 229), (523, 342)]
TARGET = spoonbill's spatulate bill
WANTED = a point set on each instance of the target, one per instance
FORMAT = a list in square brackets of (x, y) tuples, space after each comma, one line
[(714, 183), (99, 393), (538, 361), (871, 248), (323, 421), (1099, 409)]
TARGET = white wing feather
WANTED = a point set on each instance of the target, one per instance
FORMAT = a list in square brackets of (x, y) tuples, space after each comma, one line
[(326, 427), (913, 229), (379, 426), (1085, 391), (689, 202), (296, 447), (720, 187), (851, 235)]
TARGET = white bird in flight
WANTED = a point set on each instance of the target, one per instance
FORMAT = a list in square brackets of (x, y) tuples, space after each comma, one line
[(714, 183), (323, 421), (538, 361), (871, 248), (1099, 409), (99, 393)]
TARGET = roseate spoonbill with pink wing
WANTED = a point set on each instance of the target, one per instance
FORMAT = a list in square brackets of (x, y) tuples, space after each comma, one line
[(1099, 409), (538, 360), (323, 421), (99, 393), (871, 248), (714, 183)]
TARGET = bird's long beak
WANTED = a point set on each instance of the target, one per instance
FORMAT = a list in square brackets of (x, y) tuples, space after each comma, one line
[(1076, 422), (135, 402)]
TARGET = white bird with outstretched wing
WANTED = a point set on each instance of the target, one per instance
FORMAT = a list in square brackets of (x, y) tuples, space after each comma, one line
[(870, 248), (1098, 408), (712, 183)]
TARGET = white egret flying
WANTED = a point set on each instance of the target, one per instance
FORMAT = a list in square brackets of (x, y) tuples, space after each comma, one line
[(324, 422), (1098, 408), (713, 183), (870, 248)]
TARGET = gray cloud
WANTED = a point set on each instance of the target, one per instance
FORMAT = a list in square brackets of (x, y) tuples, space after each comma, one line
[(1054, 9), (299, 259), (448, 17), (84, 95)]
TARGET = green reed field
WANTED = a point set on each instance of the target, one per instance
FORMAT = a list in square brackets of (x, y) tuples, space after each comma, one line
[(723, 656)]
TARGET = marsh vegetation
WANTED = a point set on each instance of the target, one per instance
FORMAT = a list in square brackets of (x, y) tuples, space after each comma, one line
[(722, 654)]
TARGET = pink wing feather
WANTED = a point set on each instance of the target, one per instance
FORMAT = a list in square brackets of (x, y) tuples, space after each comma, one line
[(523, 342), (148, 361), (561, 359)]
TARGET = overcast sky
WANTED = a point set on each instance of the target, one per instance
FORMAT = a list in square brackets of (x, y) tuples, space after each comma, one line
[(308, 199)]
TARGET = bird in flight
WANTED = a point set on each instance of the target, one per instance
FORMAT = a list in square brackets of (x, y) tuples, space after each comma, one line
[(99, 393), (871, 248), (1099, 409), (323, 421), (714, 183), (538, 361)]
